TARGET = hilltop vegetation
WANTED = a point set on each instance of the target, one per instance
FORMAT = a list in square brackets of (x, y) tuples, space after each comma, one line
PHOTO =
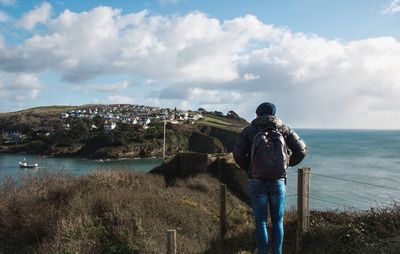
[(42, 131), (45, 111)]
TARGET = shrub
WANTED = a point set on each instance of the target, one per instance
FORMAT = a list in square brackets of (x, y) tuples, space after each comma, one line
[(127, 212), (108, 212)]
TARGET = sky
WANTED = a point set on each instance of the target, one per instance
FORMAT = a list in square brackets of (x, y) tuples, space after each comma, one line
[(323, 63)]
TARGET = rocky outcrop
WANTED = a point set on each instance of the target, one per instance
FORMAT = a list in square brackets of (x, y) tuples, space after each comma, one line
[(221, 166), (183, 165), (35, 147), (199, 142), (225, 136), (147, 149)]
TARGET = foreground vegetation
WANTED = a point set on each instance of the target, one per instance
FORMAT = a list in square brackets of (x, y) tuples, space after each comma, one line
[(128, 212), (112, 212)]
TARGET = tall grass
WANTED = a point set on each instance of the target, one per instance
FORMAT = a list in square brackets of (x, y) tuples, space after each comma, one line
[(127, 212), (111, 212)]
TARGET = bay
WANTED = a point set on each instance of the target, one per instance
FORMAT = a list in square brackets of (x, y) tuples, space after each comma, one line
[(75, 166)]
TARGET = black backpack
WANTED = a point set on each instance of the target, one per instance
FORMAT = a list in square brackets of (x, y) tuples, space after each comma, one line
[(269, 155)]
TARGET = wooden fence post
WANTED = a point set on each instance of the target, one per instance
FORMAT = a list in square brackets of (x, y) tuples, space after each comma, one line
[(171, 241), (303, 205), (223, 211)]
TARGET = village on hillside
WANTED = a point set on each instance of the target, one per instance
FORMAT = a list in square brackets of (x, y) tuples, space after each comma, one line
[(132, 114), (113, 115)]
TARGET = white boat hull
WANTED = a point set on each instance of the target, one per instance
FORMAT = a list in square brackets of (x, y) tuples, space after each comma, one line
[(26, 165)]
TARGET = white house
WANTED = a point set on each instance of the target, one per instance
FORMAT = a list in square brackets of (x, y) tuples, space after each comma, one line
[(196, 117), (13, 137), (144, 121), (108, 126), (64, 115), (125, 119), (182, 116), (185, 115)]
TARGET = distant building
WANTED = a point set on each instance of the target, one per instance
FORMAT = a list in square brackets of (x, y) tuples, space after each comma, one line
[(182, 116), (132, 114), (64, 115), (13, 137), (108, 126), (43, 131), (196, 116), (144, 121)]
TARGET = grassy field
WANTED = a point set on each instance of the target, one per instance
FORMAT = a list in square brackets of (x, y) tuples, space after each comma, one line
[(128, 212), (218, 122), (43, 110), (49, 109)]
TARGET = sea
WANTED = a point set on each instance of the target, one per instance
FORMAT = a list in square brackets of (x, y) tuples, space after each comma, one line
[(350, 169)]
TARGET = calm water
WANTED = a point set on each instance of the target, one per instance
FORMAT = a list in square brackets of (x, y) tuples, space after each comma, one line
[(370, 157), (75, 166)]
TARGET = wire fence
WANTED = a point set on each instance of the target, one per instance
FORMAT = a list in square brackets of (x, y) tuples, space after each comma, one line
[(356, 181), (331, 241), (337, 204)]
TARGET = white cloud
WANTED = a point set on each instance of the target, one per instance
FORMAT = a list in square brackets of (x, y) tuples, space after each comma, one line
[(19, 87), (114, 87), (150, 81), (250, 76), (206, 96), (8, 2), (232, 64), (40, 14), (317, 82), (392, 7), (191, 48), (3, 17), (119, 99), (2, 43), (165, 2)]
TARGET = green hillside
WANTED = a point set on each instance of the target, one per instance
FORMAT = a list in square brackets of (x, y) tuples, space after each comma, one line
[(43, 130)]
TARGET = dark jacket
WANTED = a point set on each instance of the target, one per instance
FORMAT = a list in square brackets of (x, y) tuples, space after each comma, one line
[(241, 152)]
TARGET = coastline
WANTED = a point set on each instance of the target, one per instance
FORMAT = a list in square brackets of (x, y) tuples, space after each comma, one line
[(122, 159), (107, 153)]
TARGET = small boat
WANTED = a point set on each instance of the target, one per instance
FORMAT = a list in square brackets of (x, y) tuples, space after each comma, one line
[(24, 164)]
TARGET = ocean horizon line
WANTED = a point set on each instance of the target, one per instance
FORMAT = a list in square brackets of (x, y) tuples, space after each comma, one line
[(346, 129)]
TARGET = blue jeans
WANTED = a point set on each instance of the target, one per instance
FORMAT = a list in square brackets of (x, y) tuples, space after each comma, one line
[(272, 193)]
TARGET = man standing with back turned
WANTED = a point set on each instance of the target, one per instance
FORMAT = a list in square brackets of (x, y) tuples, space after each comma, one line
[(265, 149)]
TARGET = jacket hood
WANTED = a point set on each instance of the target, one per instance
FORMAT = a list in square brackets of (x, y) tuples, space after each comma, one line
[(268, 121)]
